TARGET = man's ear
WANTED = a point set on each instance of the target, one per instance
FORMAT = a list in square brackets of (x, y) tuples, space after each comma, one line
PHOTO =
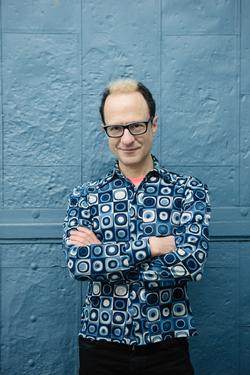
[(154, 124)]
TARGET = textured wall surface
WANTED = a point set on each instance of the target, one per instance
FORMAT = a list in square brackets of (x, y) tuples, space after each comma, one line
[(56, 57)]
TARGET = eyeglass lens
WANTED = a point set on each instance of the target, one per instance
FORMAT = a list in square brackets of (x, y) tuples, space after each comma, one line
[(134, 128)]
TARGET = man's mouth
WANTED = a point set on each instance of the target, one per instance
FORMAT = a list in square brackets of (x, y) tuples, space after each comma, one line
[(129, 149)]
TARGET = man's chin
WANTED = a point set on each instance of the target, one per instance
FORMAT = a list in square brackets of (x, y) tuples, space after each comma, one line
[(129, 158)]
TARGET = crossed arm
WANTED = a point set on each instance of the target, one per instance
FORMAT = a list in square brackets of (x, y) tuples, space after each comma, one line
[(180, 256), (83, 236)]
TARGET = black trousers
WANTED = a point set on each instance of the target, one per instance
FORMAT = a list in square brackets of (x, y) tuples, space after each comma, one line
[(165, 358)]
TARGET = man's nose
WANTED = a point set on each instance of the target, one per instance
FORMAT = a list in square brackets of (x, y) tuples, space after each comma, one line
[(127, 137)]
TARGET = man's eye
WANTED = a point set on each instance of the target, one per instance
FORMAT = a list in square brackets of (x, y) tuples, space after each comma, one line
[(114, 128), (137, 125)]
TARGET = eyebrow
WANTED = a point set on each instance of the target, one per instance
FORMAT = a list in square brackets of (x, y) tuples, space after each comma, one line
[(128, 123)]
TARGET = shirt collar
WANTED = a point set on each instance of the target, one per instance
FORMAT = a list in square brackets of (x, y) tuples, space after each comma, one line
[(157, 169)]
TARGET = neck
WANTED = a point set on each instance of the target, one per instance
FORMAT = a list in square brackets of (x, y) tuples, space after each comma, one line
[(137, 170)]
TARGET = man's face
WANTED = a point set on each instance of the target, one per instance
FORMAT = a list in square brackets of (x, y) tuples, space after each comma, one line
[(121, 109)]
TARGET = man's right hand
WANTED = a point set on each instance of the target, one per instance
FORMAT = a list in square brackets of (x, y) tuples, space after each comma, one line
[(162, 245), (82, 236)]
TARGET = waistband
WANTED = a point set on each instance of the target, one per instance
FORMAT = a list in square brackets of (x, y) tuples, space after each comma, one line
[(169, 343)]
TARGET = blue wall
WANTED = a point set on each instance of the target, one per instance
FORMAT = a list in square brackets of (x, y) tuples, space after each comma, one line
[(56, 57)]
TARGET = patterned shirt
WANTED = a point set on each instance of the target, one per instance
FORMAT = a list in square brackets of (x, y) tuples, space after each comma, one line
[(132, 297)]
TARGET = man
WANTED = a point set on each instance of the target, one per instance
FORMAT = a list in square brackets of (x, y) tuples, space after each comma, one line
[(138, 235)]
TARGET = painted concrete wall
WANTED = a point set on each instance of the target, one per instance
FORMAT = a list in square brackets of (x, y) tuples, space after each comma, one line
[(56, 57)]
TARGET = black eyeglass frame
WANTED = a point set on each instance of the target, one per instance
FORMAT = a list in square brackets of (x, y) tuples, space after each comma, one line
[(146, 123)]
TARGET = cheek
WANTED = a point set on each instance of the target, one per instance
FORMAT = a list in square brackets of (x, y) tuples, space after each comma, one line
[(112, 144), (146, 141)]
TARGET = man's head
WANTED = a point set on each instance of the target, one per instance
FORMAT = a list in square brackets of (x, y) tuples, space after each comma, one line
[(125, 102), (127, 86)]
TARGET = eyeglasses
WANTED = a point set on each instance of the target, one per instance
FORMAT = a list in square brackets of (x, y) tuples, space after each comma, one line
[(134, 128)]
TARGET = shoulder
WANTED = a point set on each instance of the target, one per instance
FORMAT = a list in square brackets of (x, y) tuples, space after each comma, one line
[(182, 180), (92, 186), (194, 192)]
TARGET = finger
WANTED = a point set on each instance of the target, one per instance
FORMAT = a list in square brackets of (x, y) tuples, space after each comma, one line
[(84, 229), (88, 232), (82, 241), (75, 243), (81, 235)]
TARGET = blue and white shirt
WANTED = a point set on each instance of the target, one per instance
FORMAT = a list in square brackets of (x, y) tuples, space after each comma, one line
[(132, 297)]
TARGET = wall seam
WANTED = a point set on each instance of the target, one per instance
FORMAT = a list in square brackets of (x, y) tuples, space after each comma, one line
[(81, 86), (40, 32), (2, 164), (2, 118), (202, 34), (160, 112), (238, 4), (239, 102)]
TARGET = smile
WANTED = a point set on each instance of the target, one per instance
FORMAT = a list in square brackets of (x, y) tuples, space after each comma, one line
[(129, 150)]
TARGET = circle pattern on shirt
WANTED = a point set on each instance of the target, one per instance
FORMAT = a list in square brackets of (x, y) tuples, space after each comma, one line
[(114, 307)]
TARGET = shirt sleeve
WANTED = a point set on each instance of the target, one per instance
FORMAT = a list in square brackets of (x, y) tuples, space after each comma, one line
[(186, 262), (106, 261)]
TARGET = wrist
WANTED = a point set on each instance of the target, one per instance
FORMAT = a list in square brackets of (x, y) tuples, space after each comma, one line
[(153, 248)]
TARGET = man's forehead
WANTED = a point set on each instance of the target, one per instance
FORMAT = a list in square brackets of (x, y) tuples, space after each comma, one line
[(118, 101)]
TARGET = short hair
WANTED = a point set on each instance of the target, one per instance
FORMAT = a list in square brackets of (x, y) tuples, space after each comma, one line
[(127, 86)]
